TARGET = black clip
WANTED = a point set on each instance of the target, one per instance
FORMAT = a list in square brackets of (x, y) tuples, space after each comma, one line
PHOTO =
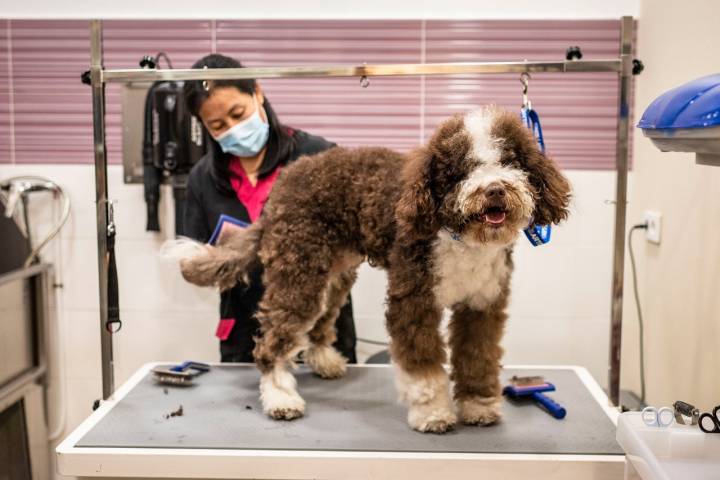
[(85, 77), (148, 61), (637, 67), (573, 53)]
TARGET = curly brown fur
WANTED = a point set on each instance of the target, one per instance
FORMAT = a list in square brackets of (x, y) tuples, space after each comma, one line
[(441, 220), (324, 360), (225, 265), (476, 352)]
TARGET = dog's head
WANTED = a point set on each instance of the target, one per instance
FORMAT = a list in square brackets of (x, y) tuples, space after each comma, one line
[(482, 176)]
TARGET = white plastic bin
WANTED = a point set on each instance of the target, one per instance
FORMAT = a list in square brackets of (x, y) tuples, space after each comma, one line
[(678, 452)]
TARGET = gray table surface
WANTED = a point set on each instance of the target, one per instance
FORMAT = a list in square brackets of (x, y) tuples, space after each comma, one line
[(359, 412)]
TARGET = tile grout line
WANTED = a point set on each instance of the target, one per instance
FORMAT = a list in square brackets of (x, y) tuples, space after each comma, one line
[(213, 36), (11, 91)]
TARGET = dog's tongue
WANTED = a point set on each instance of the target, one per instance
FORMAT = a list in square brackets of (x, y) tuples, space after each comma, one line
[(495, 217)]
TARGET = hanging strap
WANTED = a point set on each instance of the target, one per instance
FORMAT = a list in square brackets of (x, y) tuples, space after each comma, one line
[(536, 234), (532, 120), (113, 323)]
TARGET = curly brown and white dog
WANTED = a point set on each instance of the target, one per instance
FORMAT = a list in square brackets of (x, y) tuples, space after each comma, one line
[(442, 221)]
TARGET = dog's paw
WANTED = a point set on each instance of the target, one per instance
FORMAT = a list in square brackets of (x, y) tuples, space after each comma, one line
[(428, 418), (284, 406), (325, 361), (285, 413), (281, 402), (480, 410)]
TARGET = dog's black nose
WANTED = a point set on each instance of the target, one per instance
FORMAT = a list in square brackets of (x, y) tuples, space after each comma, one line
[(495, 190)]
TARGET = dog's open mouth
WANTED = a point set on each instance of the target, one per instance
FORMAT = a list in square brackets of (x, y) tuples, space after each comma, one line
[(494, 215)]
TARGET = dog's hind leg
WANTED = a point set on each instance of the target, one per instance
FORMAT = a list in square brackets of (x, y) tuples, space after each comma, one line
[(324, 360), (475, 341), (418, 352), (294, 298)]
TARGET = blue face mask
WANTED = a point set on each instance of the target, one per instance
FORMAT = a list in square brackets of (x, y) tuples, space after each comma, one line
[(247, 138)]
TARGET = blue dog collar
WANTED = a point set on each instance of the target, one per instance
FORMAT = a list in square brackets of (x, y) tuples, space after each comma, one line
[(454, 235), (538, 234)]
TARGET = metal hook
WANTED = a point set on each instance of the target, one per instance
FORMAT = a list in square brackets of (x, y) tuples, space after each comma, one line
[(111, 218), (205, 84), (364, 80), (525, 80)]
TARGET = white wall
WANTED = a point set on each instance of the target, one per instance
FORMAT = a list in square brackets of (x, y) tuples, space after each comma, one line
[(679, 278), (320, 9)]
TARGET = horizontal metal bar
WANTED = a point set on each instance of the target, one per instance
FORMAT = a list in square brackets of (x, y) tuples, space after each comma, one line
[(25, 272), (11, 391), (150, 75)]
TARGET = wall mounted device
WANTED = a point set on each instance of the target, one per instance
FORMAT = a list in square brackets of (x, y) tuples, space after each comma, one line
[(687, 119)]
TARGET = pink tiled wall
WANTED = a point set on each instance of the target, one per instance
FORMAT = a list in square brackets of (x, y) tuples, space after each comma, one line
[(45, 116), (5, 124)]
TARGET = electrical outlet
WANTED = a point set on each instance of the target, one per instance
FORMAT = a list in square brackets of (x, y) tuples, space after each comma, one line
[(653, 220)]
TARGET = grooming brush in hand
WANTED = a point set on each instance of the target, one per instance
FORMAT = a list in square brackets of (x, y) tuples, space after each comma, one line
[(226, 227), (533, 388)]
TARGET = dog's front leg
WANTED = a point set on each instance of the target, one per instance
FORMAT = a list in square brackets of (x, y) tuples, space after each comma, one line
[(418, 352), (476, 352)]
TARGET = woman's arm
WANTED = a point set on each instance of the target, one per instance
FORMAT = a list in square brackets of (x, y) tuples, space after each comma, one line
[(195, 218), (308, 144)]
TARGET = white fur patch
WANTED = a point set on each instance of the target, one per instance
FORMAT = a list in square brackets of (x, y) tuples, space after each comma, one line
[(420, 389), (428, 398), (325, 361), (478, 123), (474, 274), (278, 393), (480, 410), (182, 248), (487, 152), (485, 174)]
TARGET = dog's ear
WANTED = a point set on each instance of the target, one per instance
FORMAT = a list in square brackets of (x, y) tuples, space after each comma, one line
[(429, 173), (415, 211), (552, 189)]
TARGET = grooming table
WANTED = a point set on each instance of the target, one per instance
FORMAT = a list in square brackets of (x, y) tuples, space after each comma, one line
[(354, 428)]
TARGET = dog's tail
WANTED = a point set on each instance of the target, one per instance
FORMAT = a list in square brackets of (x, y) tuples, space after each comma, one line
[(221, 266)]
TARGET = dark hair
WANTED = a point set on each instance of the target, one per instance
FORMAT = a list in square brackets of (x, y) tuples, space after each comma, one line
[(280, 144)]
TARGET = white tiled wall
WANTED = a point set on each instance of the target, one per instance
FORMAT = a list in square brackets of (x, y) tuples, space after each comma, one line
[(559, 312)]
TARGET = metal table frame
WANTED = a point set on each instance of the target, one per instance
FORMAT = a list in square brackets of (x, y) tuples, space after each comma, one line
[(622, 65)]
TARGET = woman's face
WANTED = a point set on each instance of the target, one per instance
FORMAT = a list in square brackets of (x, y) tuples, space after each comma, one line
[(228, 106)]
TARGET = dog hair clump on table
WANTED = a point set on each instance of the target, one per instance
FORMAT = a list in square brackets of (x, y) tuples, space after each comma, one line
[(441, 221)]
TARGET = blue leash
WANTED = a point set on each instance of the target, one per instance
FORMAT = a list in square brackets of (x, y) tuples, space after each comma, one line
[(536, 234)]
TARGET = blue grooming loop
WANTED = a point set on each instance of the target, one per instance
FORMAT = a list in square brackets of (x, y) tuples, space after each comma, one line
[(536, 234)]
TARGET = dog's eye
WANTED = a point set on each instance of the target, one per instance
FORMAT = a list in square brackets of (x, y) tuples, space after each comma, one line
[(510, 158)]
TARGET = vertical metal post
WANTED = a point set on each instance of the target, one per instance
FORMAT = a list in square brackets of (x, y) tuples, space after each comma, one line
[(101, 201), (621, 159)]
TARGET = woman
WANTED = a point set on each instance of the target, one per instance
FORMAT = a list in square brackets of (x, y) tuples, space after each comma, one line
[(250, 148)]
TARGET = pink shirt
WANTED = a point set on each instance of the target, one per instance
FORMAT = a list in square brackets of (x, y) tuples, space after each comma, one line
[(253, 197)]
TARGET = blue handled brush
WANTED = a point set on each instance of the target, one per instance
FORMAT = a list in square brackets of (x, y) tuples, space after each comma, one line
[(533, 387)]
